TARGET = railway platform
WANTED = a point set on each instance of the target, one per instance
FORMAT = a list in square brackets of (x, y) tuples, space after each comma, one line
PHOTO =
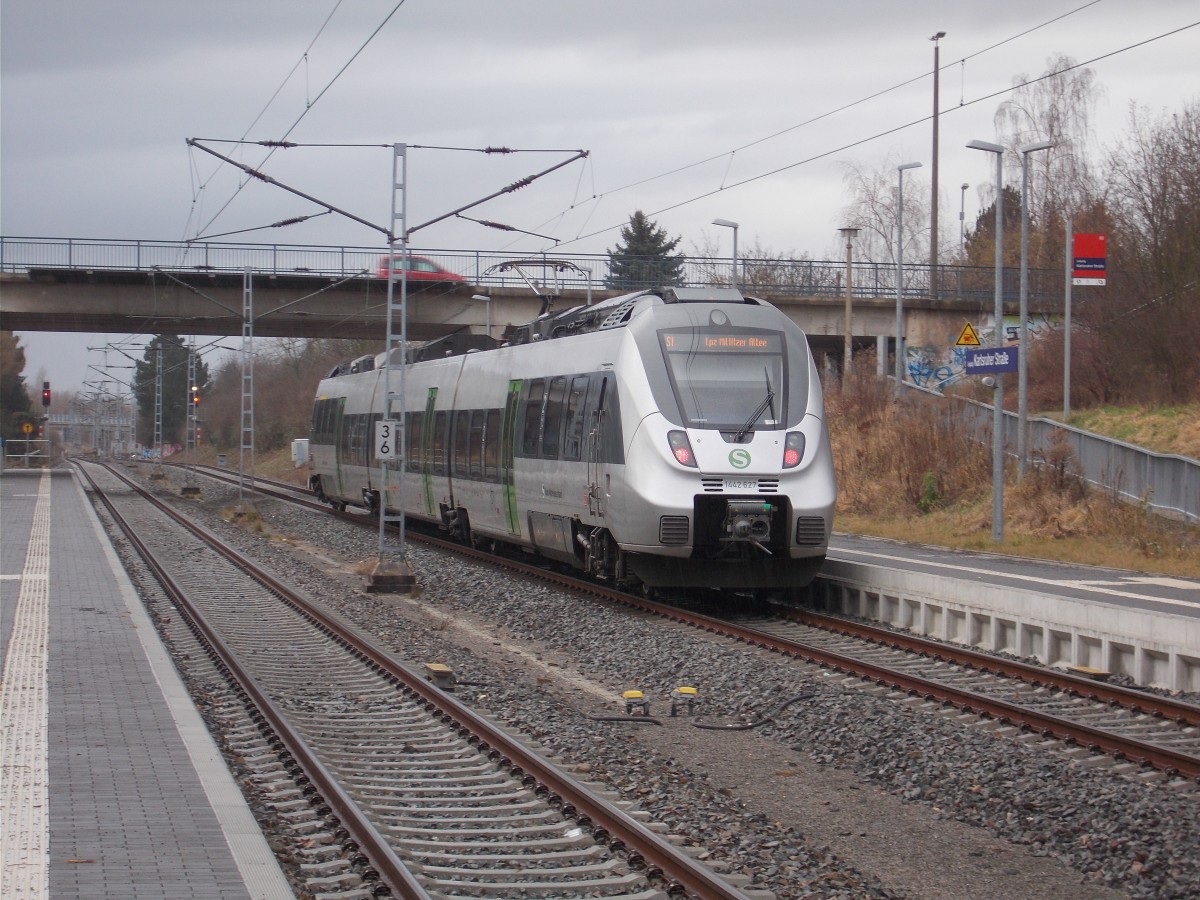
[(110, 785)]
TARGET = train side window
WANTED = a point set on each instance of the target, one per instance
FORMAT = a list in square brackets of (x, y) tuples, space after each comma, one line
[(415, 422), (552, 429), (369, 438), (441, 421), (575, 418), (316, 430), (531, 432), (462, 437), (476, 444), (325, 419), (362, 431), (491, 446), (356, 439), (347, 438)]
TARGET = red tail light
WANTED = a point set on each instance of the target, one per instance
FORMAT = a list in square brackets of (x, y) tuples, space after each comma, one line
[(681, 448), (793, 449)]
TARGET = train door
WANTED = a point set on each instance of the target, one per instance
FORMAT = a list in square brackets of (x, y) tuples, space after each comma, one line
[(508, 440), (427, 442), (575, 436), (598, 475), (339, 445)]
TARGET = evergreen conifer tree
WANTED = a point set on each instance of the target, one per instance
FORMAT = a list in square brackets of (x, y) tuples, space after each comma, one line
[(15, 406), (645, 257), (176, 390)]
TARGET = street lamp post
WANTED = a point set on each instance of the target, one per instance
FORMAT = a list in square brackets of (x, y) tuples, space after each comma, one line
[(725, 223), (933, 174), (962, 222), (962, 234), (849, 234), (998, 340), (483, 298), (900, 273), (1023, 353)]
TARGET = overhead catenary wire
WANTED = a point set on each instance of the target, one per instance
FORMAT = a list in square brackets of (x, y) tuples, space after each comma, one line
[(303, 60), (199, 143), (868, 139), (845, 106), (309, 104)]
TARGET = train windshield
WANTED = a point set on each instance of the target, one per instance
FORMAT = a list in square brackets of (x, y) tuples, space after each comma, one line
[(730, 379)]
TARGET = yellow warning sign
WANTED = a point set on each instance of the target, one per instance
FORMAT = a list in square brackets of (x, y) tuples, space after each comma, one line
[(968, 337)]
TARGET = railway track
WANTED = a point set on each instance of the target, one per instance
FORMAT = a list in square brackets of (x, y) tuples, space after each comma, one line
[(1137, 728), (425, 797), (1133, 726)]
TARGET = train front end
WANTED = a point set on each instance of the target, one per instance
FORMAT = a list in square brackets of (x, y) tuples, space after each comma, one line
[(729, 477)]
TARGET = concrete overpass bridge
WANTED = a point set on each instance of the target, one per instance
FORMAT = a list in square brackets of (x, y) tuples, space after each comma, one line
[(153, 287)]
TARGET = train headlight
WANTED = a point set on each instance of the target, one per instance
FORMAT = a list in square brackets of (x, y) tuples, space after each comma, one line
[(793, 449), (681, 448)]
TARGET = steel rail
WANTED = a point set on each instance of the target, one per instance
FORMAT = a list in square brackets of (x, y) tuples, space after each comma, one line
[(1096, 740), (1170, 761), (1129, 698), (387, 865), (644, 849), (1134, 700)]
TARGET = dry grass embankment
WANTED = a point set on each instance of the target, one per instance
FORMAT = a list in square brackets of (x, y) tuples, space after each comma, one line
[(1168, 429), (909, 471)]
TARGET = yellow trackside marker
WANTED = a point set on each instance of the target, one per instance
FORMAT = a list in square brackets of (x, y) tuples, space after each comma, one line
[(636, 700), (441, 675), (684, 695)]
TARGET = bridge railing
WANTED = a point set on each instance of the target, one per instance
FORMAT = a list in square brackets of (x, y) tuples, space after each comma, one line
[(774, 277)]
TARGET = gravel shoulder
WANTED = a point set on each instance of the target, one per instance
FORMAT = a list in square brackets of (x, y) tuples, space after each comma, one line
[(909, 849)]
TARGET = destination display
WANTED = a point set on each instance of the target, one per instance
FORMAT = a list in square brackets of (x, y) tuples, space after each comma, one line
[(721, 342)]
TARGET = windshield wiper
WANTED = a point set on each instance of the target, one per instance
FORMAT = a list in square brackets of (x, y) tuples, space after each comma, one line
[(759, 410)]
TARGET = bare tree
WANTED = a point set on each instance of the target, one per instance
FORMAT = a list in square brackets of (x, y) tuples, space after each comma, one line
[(1055, 107), (874, 195), (1154, 195)]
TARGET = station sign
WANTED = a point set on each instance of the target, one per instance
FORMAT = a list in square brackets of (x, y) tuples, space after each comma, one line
[(1089, 259), (990, 360)]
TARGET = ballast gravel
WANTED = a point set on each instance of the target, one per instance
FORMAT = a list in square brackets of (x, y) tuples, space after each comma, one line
[(837, 790)]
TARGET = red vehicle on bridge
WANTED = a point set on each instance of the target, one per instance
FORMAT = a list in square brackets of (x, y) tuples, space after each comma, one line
[(419, 269)]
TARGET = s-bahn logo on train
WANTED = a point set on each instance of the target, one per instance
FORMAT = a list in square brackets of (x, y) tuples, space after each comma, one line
[(739, 458)]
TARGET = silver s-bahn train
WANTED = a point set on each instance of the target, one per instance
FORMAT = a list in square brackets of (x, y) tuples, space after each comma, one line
[(667, 438)]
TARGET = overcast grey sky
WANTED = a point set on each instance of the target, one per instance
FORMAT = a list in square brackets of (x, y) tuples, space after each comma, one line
[(98, 99)]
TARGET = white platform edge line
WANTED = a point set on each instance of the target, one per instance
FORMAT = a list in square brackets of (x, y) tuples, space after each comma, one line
[(24, 723)]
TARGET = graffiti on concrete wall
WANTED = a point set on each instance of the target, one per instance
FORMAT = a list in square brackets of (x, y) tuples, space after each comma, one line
[(935, 367)]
